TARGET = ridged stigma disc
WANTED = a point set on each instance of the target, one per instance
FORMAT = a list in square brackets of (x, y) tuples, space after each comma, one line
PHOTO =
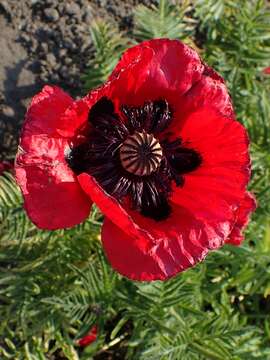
[(141, 154)]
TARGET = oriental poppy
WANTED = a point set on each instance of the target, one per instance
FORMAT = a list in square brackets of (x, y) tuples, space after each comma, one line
[(157, 148)]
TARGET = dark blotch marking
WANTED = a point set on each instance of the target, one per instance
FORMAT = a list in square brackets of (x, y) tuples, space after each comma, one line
[(185, 160), (103, 107)]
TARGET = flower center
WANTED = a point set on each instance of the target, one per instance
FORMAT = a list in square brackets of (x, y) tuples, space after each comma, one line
[(141, 154), (123, 153)]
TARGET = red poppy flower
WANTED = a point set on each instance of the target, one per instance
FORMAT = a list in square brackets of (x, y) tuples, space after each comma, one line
[(157, 148), (89, 338)]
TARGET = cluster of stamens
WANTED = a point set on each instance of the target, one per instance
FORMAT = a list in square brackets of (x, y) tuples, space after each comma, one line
[(130, 155)]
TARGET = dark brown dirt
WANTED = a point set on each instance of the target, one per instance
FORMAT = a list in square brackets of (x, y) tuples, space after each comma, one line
[(17, 84), (47, 41)]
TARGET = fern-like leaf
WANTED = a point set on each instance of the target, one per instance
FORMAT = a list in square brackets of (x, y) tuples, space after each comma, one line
[(109, 44), (164, 20)]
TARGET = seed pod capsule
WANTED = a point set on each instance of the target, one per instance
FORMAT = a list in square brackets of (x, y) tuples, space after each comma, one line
[(141, 154)]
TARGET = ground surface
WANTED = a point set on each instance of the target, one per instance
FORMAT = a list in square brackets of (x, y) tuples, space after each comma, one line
[(46, 41)]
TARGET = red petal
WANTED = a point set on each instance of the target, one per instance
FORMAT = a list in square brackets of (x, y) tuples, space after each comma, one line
[(138, 54), (215, 190), (126, 257), (54, 113), (113, 210), (247, 206), (178, 75), (170, 65), (210, 91), (145, 250), (223, 145), (179, 243), (53, 197)]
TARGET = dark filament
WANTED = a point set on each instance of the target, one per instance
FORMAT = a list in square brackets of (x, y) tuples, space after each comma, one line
[(125, 156)]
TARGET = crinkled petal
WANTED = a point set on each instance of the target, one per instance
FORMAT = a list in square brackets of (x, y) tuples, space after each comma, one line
[(178, 74), (52, 196), (127, 258), (211, 92), (214, 191), (54, 113), (170, 65), (223, 145), (247, 206), (179, 243), (143, 249), (208, 93), (111, 208)]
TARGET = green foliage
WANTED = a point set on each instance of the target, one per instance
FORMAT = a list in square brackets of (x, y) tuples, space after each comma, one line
[(109, 44), (13, 221), (55, 285), (164, 20), (237, 45)]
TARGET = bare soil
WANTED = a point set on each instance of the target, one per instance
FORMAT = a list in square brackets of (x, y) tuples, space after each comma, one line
[(47, 41)]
